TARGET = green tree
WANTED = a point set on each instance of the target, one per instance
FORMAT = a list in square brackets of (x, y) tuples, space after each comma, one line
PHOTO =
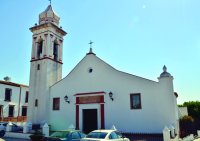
[(193, 108), (193, 111)]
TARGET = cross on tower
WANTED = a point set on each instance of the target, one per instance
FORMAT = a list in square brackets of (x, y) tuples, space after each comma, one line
[(90, 43), (50, 2)]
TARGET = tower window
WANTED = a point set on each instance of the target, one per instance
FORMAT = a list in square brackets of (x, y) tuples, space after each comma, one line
[(55, 51), (38, 67), (39, 49), (36, 103)]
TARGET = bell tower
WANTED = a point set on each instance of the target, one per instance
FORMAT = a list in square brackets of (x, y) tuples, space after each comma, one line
[(46, 63)]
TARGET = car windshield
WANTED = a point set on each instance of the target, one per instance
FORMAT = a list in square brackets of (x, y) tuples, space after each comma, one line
[(98, 135), (60, 134)]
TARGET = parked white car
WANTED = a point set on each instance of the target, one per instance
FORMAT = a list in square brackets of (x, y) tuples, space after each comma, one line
[(105, 135)]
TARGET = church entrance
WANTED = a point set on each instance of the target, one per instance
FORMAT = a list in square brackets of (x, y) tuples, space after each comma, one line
[(90, 121)]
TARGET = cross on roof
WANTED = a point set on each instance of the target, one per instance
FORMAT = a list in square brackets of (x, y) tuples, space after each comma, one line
[(91, 43), (50, 2)]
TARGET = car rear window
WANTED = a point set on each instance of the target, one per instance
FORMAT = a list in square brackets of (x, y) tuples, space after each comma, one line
[(98, 135)]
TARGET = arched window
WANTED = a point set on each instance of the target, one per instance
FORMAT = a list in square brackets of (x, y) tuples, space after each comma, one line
[(55, 50), (39, 48)]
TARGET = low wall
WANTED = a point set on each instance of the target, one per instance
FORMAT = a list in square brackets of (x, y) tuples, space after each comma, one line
[(17, 135)]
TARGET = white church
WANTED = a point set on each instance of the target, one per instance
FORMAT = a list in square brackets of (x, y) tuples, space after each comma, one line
[(94, 95)]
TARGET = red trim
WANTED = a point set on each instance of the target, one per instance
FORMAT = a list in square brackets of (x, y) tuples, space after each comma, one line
[(77, 100), (47, 58), (102, 117), (77, 116), (90, 93), (89, 103), (90, 99)]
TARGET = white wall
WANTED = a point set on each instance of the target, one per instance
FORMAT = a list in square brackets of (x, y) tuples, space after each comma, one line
[(15, 98), (157, 98), (183, 111)]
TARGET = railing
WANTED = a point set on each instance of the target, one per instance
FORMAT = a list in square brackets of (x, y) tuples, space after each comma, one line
[(14, 119)]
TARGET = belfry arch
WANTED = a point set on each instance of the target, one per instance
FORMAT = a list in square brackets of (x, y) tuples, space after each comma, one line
[(39, 48), (55, 50)]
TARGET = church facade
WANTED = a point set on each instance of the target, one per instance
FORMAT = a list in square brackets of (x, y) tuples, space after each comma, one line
[(94, 95)]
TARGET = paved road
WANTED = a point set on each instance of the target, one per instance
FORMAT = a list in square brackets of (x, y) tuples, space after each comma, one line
[(13, 139)]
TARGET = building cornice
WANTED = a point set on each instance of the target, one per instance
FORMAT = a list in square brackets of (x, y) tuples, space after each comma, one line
[(46, 25), (45, 57), (12, 84)]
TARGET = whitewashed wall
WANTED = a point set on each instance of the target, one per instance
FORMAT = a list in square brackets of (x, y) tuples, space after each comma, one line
[(14, 98), (157, 98)]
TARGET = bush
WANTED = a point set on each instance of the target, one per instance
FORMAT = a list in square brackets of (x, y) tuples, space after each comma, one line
[(187, 126)]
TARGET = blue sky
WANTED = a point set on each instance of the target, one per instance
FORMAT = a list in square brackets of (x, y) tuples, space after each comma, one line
[(134, 36)]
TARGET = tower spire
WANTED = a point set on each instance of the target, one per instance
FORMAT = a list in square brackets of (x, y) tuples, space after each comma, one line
[(50, 2)]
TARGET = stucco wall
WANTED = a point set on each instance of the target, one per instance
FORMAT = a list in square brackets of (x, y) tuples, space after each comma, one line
[(157, 98), (15, 96)]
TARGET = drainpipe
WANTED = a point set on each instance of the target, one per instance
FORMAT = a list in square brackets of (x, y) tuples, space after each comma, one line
[(20, 93)]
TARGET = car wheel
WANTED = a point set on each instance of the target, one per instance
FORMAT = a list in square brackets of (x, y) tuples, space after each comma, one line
[(2, 133)]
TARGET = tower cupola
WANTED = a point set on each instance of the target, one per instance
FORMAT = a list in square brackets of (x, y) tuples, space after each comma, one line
[(165, 73), (49, 16)]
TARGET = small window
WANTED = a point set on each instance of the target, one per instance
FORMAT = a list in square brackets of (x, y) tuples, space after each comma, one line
[(56, 103), (8, 93), (135, 101), (90, 70), (26, 97), (36, 103), (38, 67)]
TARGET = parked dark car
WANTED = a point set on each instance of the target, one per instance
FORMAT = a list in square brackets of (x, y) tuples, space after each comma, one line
[(14, 128), (66, 135)]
